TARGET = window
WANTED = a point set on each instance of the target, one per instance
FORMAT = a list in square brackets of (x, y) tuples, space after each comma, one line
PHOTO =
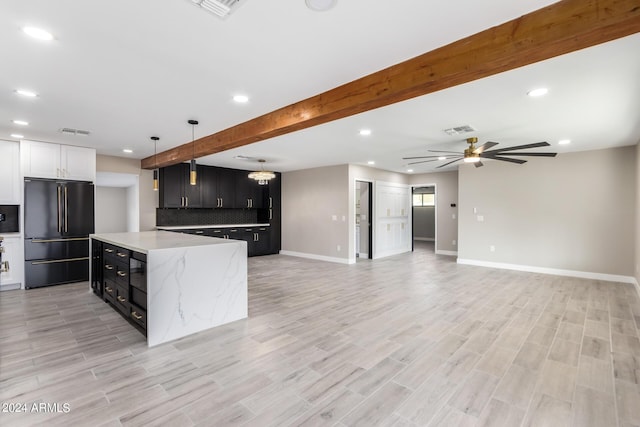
[(424, 199)]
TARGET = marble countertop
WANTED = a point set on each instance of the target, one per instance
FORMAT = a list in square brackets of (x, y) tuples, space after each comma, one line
[(185, 227), (146, 241)]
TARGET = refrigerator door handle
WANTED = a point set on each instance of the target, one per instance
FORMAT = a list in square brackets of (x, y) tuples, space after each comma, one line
[(66, 213), (59, 211)]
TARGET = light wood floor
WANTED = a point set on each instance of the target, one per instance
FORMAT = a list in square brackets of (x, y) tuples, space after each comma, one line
[(409, 340)]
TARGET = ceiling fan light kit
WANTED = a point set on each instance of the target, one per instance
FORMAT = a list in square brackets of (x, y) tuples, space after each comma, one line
[(320, 5)]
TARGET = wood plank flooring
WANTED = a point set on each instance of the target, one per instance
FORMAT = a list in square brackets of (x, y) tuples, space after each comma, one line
[(411, 340)]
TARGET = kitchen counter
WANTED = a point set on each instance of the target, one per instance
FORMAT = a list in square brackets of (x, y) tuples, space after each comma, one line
[(193, 283), (186, 227)]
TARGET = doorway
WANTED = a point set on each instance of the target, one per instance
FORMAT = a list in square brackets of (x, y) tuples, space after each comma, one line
[(364, 230), (424, 216)]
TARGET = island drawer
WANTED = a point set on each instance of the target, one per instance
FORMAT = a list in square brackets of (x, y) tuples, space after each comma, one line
[(116, 252), (122, 274), (110, 291), (138, 315), (122, 299)]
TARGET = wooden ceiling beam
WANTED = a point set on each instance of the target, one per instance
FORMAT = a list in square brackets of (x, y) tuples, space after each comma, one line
[(560, 28)]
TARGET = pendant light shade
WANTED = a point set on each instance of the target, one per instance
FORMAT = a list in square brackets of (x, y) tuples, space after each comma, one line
[(193, 174), (155, 140)]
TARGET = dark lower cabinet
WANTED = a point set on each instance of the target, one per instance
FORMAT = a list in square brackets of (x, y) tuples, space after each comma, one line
[(121, 274), (258, 238)]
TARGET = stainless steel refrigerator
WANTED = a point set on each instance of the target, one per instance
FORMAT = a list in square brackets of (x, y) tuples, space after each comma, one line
[(58, 218)]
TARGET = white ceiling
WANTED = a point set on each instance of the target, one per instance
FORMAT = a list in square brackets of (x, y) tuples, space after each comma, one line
[(126, 70)]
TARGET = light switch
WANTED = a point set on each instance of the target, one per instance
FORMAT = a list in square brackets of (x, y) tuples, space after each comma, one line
[(453, 216), (334, 217), (344, 218), (480, 218)]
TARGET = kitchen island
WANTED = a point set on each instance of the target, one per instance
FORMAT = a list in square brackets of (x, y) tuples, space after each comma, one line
[(169, 284)]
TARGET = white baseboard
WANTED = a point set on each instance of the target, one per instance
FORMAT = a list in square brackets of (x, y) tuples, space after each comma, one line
[(11, 287), (450, 253), (319, 257), (637, 286), (363, 255), (554, 271), (424, 239)]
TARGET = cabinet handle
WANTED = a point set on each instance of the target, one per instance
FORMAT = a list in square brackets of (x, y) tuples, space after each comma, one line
[(199, 232), (64, 173), (136, 315), (270, 213), (186, 201), (58, 172), (108, 250), (108, 289), (270, 202), (121, 273), (108, 267), (4, 267), (121, 298), (121, 255)]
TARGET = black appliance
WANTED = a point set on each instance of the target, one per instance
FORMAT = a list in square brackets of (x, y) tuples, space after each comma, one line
[(58, 218), (9, 218)]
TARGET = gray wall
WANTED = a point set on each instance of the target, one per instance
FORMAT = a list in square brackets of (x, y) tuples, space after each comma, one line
[(637, 215), (148, 199), (310, 198), (446, 184), (572, 212), (424, 222), (111, 215)]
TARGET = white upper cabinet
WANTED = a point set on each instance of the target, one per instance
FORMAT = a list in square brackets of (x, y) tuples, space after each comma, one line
[(45, 160), (9, 173), (78, 163)]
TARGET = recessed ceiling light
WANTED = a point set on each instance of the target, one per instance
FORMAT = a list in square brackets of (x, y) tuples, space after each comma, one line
[(17, 135), (541, 91), (320, 5), (27, 93), (564, 141), (371, 162), (241, 98), (365, 132), (20, 122), (442, 158), (38, 33), (127, 150), (409, 170)]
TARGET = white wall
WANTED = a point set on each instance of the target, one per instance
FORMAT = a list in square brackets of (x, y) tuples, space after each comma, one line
[(573, 212), (111, 217), (147, 198), (446, 184)]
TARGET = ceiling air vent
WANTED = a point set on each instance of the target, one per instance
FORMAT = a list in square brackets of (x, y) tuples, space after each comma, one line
[(70, 131), (221, 8), (459, 130)]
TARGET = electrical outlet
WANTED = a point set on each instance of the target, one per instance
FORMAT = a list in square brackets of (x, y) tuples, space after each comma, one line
[(344, 218), (453, 242), (338, 248), (453, 216), (492, 248), (480, 218), (334, 217)]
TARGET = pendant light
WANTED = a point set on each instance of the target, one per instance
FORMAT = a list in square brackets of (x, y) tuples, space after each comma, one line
[(262, 176), (155, 162), (193, 174)]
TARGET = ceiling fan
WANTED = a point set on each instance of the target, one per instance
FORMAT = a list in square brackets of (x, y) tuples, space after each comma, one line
[(473, 154)]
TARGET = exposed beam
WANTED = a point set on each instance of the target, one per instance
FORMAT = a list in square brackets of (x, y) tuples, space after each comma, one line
[(560, 28)]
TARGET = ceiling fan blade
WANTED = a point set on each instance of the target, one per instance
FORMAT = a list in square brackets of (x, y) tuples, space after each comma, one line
[(478, 164), (527, 154), (420, 157), (423, 161), (484, 146), (506, 159), (448, 163), (443, 151), (518, 147)]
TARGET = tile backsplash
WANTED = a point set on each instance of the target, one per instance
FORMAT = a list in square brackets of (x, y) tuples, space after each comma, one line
[(173, 217)]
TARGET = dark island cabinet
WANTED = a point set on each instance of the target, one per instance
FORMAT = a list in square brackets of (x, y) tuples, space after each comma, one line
[(119, 276), (176, 190)]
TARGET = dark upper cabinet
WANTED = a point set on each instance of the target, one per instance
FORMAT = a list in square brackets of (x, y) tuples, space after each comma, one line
[(175, 189), (219, 187), (249, 194)]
